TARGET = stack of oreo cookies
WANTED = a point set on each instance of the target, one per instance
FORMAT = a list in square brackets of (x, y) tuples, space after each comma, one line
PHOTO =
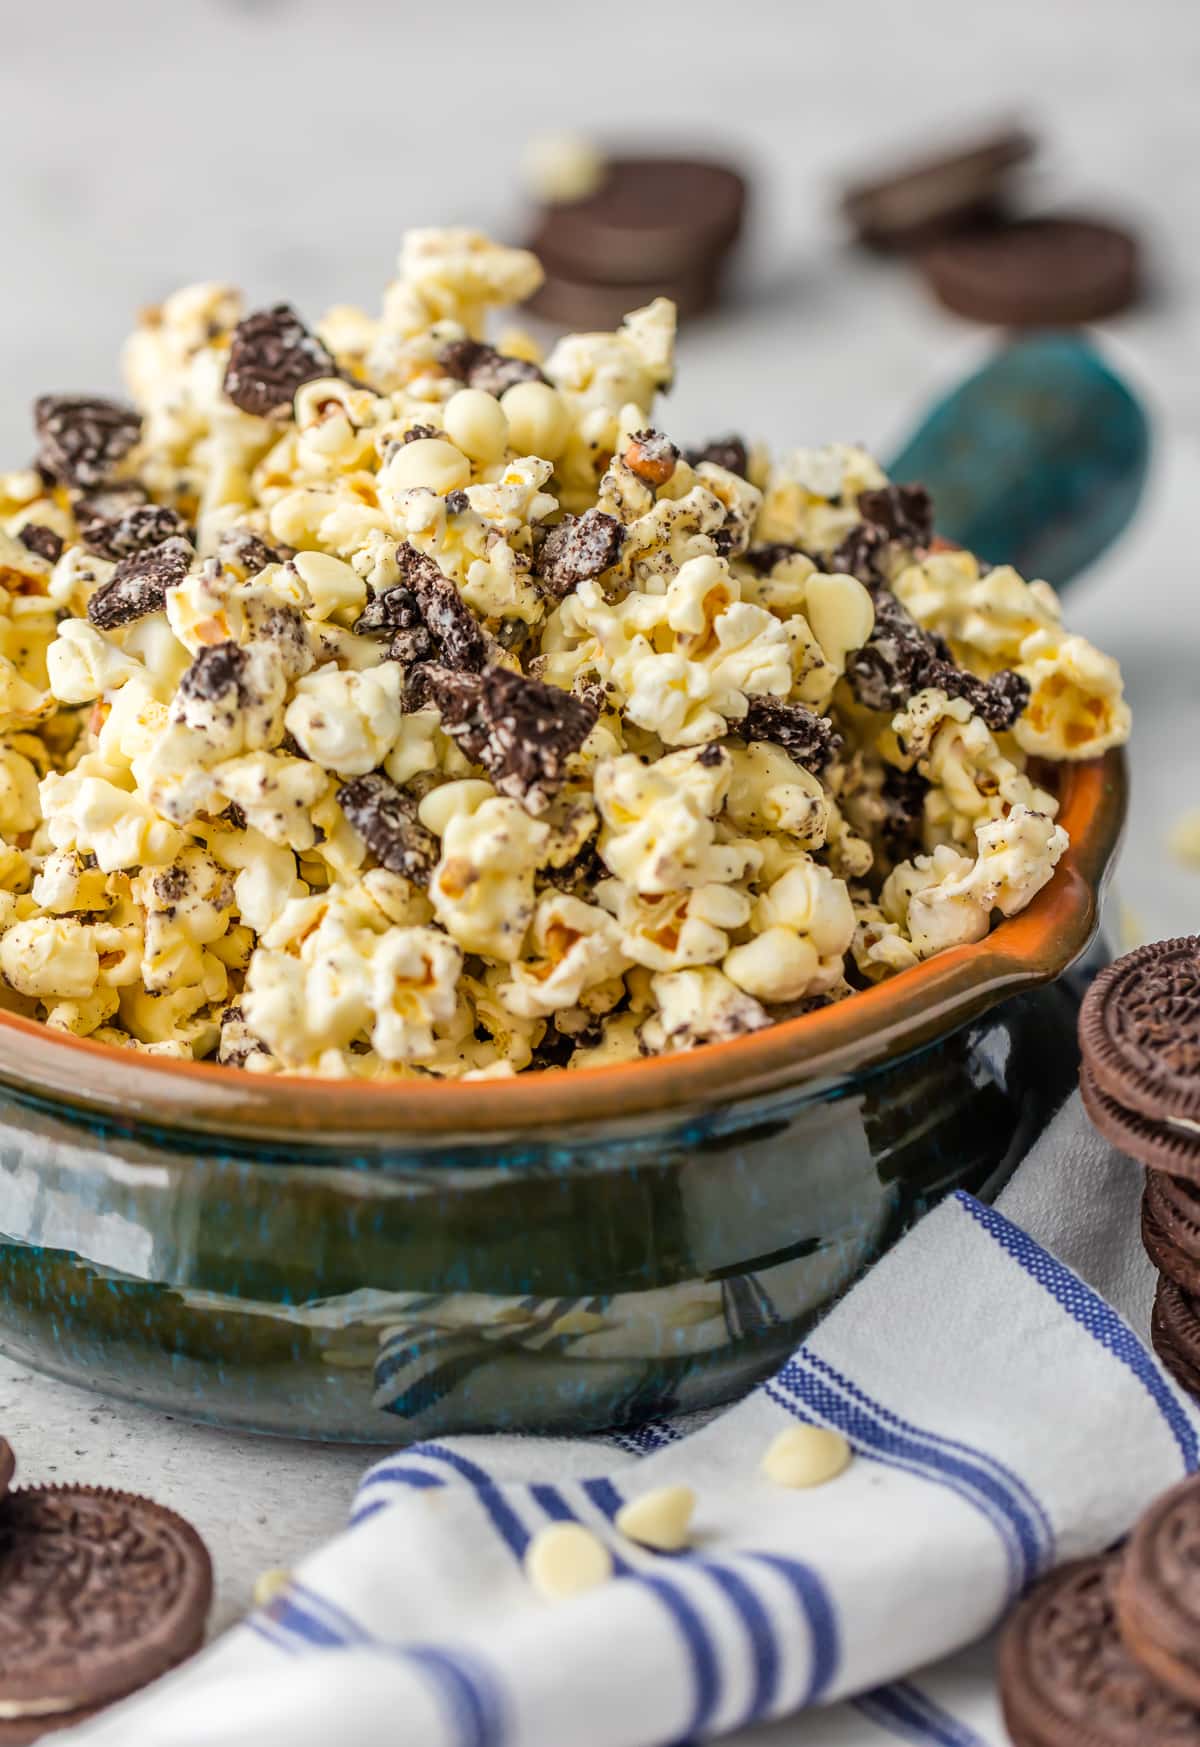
[(649, 227), (1105, 1652), (100, 1593), (1139, 1030)]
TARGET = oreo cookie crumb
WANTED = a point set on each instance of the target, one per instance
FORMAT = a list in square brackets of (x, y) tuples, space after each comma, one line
[(899, 658), (727, 452), (482, 366), (82, 438), (859, 555), (247, 550), (651, 456), (763, 559), (214, 671), (135, 529), (578, 549), (386, 820), (520, 730), (418, 434), (395, 609), (271, 355), (808, 739), (42, 541), (447, 618), (457, 502), (711, 754), (139, 585), (904, 512), (903, 797)]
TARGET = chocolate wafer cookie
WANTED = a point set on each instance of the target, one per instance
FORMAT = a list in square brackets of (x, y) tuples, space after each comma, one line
[(138, 1575), (937, 195), (1175, 1333), (1139, 1030), (1157, 1594), (1152, 1143), (1171, 1228), (651, 219), (1036, 272), (1067, 1678), (8, 1466)]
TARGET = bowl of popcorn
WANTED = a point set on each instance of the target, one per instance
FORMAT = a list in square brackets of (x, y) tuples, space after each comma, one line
[(503, 915)]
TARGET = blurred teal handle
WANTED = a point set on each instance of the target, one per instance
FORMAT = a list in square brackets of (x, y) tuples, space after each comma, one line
[(1038, 461)]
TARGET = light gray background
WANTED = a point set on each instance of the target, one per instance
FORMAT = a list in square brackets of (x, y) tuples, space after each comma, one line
[(286, 144)]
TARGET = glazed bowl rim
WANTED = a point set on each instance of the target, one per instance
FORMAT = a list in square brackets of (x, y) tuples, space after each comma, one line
[(890, 1019)]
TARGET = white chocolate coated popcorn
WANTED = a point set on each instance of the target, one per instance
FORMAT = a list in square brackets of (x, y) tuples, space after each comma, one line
[(393, 705)]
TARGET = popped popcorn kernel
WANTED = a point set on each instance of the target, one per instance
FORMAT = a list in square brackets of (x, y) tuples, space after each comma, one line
[(382, 701)]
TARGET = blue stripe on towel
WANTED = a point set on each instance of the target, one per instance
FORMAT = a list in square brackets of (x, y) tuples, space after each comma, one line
[(915, 1453), (1091, 1313), (905, 1711), (1004, 1474), (764, 1648), (820, 1616), (503, 1517), (470, 1695)]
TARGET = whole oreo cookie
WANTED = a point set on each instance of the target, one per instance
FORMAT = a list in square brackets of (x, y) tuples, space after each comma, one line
[(1067, 1678), (1139, 1030), (935, 196), (649, 219), (1171, 1228), (138, 1575), (1175, 1333), (1036, 272), (1158, 1591), (1153, 1144)]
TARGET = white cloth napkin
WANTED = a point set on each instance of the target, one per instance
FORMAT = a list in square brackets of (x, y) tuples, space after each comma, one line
[(1005, 1414)]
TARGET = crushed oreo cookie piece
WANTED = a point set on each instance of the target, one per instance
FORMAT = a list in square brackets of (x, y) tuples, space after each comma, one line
[(82, 438), (520, 730), (712, 754), (899, 658), (386, 820), (579, 876), (271, 355), (42, 541), (859, 554), (139, 585), (810, 740), (394, 609), (763, 559), (457, 502), (247, 550), (218, 669), (482, 366), (135, 529), (904, 512), (651, 456), (903, 798), (447, 618), (727, 452), (418, 434), (576, 550)]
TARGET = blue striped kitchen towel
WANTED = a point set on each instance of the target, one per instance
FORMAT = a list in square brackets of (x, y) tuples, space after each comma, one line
[(992, 1377)]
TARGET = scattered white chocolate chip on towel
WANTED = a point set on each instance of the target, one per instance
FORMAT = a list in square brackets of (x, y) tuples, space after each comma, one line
[(567, 1559), (659, 1519), (806, 1456)]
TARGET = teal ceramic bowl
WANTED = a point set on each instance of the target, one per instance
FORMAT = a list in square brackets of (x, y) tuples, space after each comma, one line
[(563, 1252)]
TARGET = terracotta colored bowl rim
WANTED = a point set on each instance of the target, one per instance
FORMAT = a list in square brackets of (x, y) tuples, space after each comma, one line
[(890, 1019)]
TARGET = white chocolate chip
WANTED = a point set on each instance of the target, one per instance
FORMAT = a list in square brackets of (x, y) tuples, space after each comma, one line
[(429, 464), (270, 1583), (840, 612), (567, 1559), (538, 420), (806, 1456), (476, 423), (659, 1519)]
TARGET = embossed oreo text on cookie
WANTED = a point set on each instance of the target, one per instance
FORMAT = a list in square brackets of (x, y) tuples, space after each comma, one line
[(100, 1592)]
